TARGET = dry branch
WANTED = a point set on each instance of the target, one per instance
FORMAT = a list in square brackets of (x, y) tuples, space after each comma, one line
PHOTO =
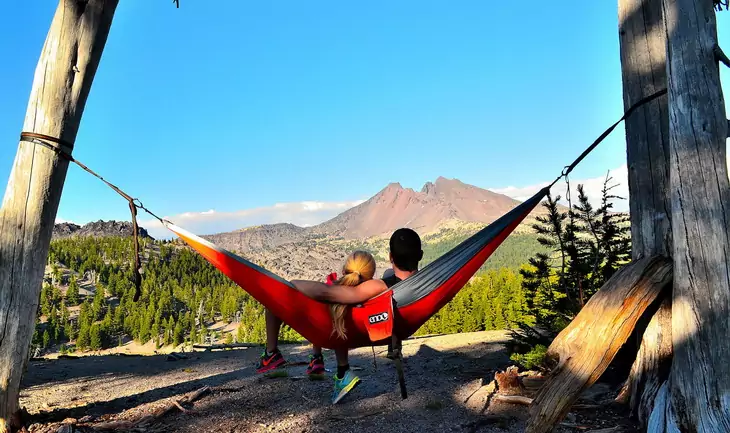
[(159, 413), (587, 346), (515, 399)]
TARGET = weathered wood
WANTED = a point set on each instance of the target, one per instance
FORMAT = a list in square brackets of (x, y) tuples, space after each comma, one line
[(156, 415), (653, 362), (63, 78), (509, 382), (608, 318), (513, 399), (225, 346), (699, 382), (642, 41)]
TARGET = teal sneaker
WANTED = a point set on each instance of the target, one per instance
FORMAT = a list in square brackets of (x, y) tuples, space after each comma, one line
[(344, 385)]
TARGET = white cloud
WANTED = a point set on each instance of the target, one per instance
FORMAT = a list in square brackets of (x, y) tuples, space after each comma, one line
[(592, 188), (61, 221), (303, 214)]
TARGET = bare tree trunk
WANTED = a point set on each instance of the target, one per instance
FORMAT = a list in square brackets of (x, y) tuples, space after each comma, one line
[(643, 65), (698, 394), (63, 78)]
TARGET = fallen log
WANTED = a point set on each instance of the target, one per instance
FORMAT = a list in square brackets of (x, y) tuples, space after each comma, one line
[(585, 348), (210, 347), (519, 399)]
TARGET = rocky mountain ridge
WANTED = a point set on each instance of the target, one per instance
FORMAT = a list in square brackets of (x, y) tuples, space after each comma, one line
[(97, 229)]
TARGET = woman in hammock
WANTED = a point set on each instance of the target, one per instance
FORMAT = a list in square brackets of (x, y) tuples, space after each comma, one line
[(359, 267)]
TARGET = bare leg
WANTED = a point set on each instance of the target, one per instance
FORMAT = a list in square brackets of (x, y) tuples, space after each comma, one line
[(316, 351), (273, 325), (343, 361)]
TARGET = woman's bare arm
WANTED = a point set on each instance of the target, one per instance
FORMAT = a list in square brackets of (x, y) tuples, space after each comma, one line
[(338, 294)]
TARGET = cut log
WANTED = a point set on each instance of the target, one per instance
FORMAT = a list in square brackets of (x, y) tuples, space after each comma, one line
[(63, 77), (699, 382), (585, 348), (509, 382)]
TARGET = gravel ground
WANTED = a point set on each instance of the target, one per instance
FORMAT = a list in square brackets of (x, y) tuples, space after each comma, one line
[(444, 375)]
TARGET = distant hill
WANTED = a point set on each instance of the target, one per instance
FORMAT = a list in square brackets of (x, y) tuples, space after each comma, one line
[(259, 237), (443, 212), (97, 229)]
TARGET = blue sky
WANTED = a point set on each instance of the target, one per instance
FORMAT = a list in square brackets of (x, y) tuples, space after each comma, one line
[(313, 106)]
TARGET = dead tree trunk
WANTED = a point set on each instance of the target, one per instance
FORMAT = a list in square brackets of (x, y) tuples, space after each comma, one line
[(63, 78), (643, 45), (699, 383)]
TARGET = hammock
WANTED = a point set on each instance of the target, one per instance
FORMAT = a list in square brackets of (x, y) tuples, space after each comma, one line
[(414, 300)]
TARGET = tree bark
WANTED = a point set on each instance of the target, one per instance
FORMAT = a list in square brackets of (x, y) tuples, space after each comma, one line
[(643, 68), (587, 346), (698, 394), (63, 77), (653, 361), (643, 41)]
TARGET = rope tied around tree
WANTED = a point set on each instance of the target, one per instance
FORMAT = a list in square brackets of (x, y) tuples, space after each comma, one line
[(63, 149)]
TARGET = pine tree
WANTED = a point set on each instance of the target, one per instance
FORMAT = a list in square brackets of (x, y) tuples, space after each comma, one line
[(241, 333), (178, 335), (84, 338), (95, 337), (99, 304), (72, 294)]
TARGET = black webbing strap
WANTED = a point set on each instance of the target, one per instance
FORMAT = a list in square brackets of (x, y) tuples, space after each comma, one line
[(395, 353), (589, 149)]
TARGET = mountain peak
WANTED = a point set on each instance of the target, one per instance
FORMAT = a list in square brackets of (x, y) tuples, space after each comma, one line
[(395, 207)]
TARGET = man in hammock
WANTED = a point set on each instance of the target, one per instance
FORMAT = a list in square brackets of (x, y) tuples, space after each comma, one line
[(405, 253)]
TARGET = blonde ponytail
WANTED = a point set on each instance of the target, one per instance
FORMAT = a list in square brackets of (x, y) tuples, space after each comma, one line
[(359, 267)]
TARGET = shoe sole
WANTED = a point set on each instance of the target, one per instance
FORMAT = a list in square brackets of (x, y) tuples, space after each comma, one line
[(271, 367), (355, 382)]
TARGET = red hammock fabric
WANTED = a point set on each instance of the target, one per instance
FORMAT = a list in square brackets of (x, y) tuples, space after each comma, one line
[(416, 299)]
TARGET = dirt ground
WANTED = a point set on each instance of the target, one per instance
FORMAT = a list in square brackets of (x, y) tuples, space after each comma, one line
[(445, 376)]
